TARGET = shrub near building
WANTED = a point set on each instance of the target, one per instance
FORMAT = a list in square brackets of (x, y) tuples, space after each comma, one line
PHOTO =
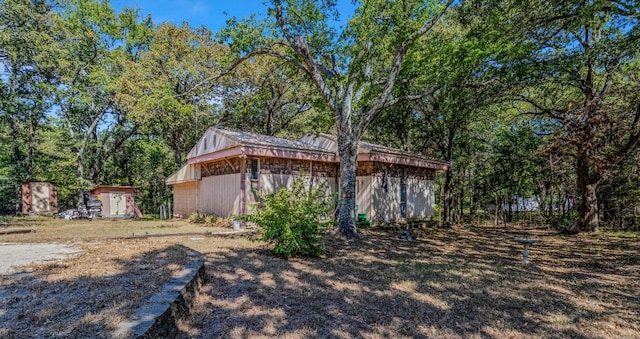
[(291, 219)]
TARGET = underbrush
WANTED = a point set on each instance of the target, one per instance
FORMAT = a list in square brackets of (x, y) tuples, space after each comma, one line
[(209, 220)]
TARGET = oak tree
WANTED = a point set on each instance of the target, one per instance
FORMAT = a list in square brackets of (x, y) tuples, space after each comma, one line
[(355, 71)]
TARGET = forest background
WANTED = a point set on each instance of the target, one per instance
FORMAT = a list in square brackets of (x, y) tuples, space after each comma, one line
[(529, 101)]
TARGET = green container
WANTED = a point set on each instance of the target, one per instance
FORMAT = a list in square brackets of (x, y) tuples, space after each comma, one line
[(362, 217)]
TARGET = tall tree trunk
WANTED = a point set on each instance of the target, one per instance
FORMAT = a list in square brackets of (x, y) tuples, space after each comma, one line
[(80, 175), (589, 219), (32, 145), (348, 152), (587, 184), (177, 154), (340, 97), (448, 195), (509, 200), (550, 207), (472, 207)]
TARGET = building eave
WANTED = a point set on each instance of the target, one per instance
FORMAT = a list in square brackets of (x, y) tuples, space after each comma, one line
[(186, 173), (402, 160), (260, 151)]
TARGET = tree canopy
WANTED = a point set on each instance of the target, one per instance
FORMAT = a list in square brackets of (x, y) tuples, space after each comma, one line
[(530, 100)]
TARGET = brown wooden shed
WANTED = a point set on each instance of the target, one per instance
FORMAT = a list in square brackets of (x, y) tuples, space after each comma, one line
[(117, 201), (39, 198)]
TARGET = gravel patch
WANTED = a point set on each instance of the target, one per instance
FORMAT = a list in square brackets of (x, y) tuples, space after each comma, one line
[(16, 255)]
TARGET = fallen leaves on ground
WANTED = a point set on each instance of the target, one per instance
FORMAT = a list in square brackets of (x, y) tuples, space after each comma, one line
[(88, 295), (460, 282)]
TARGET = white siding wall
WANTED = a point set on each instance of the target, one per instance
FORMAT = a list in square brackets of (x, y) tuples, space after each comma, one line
[(363, 196), (184, 199), (270, 183), (220, 195), (385, 205), (380, 205), (420, 198)]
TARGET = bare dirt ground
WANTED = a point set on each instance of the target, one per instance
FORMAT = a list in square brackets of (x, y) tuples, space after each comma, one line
[(89, 294), (461, 282), (16, 255), (58, 230)]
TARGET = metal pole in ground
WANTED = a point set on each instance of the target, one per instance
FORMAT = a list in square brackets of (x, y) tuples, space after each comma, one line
[(525, 254)]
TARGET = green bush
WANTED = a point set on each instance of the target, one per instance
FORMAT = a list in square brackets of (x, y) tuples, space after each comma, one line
[(196, 218), (210, 219), (217, 221), (563, 221), (291, 220)]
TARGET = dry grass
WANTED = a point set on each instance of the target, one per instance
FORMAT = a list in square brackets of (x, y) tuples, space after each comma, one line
[(449, 283), (461, 282), (88, 295), (50, 229)]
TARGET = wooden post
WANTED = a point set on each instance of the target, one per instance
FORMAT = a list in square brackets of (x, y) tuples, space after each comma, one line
[(243, 167)]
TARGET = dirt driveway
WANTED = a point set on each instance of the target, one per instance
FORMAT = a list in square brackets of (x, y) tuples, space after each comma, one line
[(15, 255)]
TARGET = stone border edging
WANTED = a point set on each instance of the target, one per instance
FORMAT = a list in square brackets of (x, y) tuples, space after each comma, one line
[(157, 317)]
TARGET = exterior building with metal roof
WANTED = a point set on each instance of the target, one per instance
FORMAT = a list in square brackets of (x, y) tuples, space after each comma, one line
[(226, 169)]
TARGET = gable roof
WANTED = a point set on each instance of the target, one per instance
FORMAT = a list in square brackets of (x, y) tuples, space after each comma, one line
[(217, 143)]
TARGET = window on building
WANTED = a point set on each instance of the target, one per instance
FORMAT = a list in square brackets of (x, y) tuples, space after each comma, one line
[(205, 144), (254, 169)]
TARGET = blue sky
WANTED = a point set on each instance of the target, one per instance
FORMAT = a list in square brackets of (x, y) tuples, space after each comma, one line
[(212, 14)]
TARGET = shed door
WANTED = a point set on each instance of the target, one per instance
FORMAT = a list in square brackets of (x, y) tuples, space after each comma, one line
[(41, 196), (117, 203)]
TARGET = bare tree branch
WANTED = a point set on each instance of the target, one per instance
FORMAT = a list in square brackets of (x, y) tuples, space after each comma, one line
[(411, 97), (313, 68)]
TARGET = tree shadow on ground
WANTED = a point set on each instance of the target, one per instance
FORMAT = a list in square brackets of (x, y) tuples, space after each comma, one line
[(449, 283), (57, 301)]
